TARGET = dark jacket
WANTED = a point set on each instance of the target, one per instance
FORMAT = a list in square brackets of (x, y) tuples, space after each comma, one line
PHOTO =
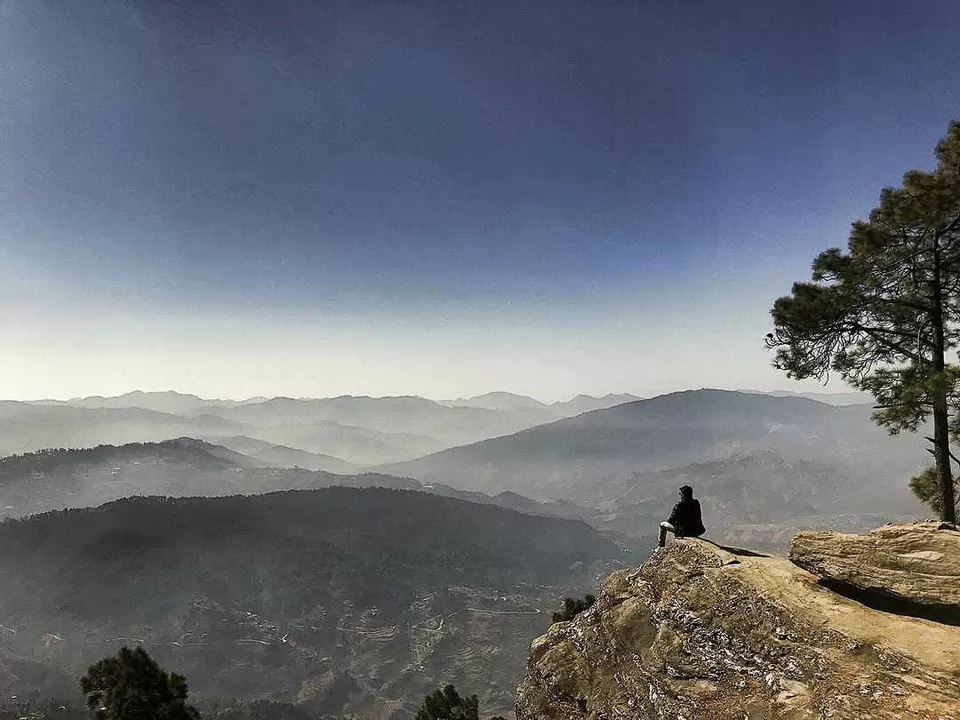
[(686, 519)]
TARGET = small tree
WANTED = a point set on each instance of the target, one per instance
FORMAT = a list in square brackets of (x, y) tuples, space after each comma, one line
[(131, 686), (573, 607), (884, 315), (448, 704)]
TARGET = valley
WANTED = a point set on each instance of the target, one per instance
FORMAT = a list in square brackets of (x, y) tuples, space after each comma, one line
[(268, 568), (345, 601)]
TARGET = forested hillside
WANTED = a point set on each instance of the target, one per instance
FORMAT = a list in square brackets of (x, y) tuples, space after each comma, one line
[(345, 599), (57, 479)]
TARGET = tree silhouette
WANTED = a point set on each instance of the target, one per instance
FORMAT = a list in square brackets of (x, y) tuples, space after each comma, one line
[(131, 686), (885, 315), (448, 704)]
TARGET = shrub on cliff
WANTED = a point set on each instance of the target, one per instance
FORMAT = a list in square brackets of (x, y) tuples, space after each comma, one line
[(573, 607)]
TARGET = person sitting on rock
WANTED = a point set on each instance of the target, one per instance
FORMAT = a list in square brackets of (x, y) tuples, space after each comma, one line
[(685, 520)]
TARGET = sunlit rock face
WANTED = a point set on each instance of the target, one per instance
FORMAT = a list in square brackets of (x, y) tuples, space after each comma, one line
[(915, 565), (703, 632)]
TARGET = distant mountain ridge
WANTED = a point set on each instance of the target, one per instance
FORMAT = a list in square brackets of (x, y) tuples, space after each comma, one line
[(663, 432), (590, 459), (59, 479), (168, 401), (497, 400), (26, 427), (351, 431), (588, 403), (174, 402), (284, 456), (180, 449), (837, 398), (185, 467)]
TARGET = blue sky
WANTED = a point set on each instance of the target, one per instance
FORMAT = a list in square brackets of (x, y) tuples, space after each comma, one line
[(442, 198)]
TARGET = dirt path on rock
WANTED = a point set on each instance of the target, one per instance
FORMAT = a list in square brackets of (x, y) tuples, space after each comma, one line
[(935, 645)]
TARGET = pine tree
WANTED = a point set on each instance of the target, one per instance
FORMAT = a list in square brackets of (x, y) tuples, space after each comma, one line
[(884, 315), (131, 686), (448, 704)]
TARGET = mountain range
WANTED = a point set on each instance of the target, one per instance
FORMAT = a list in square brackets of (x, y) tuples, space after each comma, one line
[(626, 462), (610, 466), (348, 555), (346, 432), (48, 480)]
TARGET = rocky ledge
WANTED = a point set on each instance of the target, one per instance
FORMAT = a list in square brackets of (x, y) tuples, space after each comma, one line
[(917, 567), (700, 631)]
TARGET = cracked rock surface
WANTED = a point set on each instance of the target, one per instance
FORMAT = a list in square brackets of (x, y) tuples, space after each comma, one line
[(698, 632)]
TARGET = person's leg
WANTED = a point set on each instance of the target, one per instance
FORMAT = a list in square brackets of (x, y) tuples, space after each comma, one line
[(665, 527)]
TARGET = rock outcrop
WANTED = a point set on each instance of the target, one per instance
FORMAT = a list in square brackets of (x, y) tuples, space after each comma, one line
[(698, 633), (916, 564)]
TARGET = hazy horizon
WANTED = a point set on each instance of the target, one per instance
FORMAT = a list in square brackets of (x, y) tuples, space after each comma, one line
[(550, 197), (799, 389)]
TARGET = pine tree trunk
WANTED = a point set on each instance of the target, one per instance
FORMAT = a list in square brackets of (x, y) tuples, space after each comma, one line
[(941, 413), (941, 436)]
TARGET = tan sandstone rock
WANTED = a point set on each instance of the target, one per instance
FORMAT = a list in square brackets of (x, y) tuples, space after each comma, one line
[(917, 563), (698, 633)]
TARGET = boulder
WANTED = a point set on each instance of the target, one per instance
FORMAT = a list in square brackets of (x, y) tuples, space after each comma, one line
[(915, 564), (700, 632)]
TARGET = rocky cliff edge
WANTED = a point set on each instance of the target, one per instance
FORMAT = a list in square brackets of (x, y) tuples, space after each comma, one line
[(703, 632)]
